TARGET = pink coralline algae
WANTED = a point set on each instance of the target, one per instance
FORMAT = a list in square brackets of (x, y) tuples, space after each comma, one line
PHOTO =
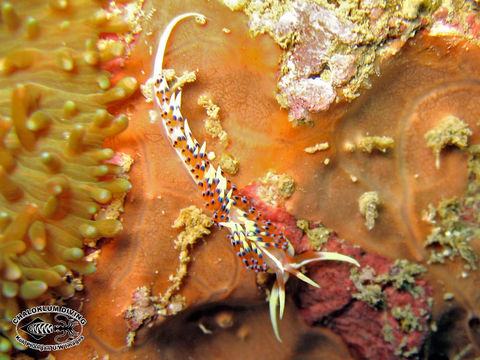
[(380, 310), (465, 24), (331, 50), (301, 83)]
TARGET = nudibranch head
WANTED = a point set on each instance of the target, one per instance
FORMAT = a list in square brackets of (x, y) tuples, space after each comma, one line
[(162, 43), (256, 240)]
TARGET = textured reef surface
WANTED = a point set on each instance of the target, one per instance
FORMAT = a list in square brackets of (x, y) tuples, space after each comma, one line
[(352, 125)]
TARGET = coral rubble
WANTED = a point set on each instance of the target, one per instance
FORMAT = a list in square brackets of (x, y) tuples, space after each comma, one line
[(368, 204), (331, 48), (450, 131), (455, 221)]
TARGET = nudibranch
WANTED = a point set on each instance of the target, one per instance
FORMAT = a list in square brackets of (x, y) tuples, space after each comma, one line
[(260, 245)]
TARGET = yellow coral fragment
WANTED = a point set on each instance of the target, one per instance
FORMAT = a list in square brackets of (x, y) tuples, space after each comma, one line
[(235, 4), (380, 143), (451, 131), (185, 78), (212, 109), (317, 147), (317, 236), (228, 163), (196, 225), (275, 188), (200, 20), (368, 205), (212, 124)]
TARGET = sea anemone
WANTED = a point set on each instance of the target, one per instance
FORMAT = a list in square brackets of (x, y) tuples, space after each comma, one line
[(54, 174)]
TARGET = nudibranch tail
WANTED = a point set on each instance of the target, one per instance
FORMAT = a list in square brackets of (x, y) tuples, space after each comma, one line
[(277, 294), (257, 241)]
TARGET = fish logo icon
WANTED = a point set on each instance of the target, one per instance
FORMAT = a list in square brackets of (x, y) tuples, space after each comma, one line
[(62, 332), (38, 329)]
